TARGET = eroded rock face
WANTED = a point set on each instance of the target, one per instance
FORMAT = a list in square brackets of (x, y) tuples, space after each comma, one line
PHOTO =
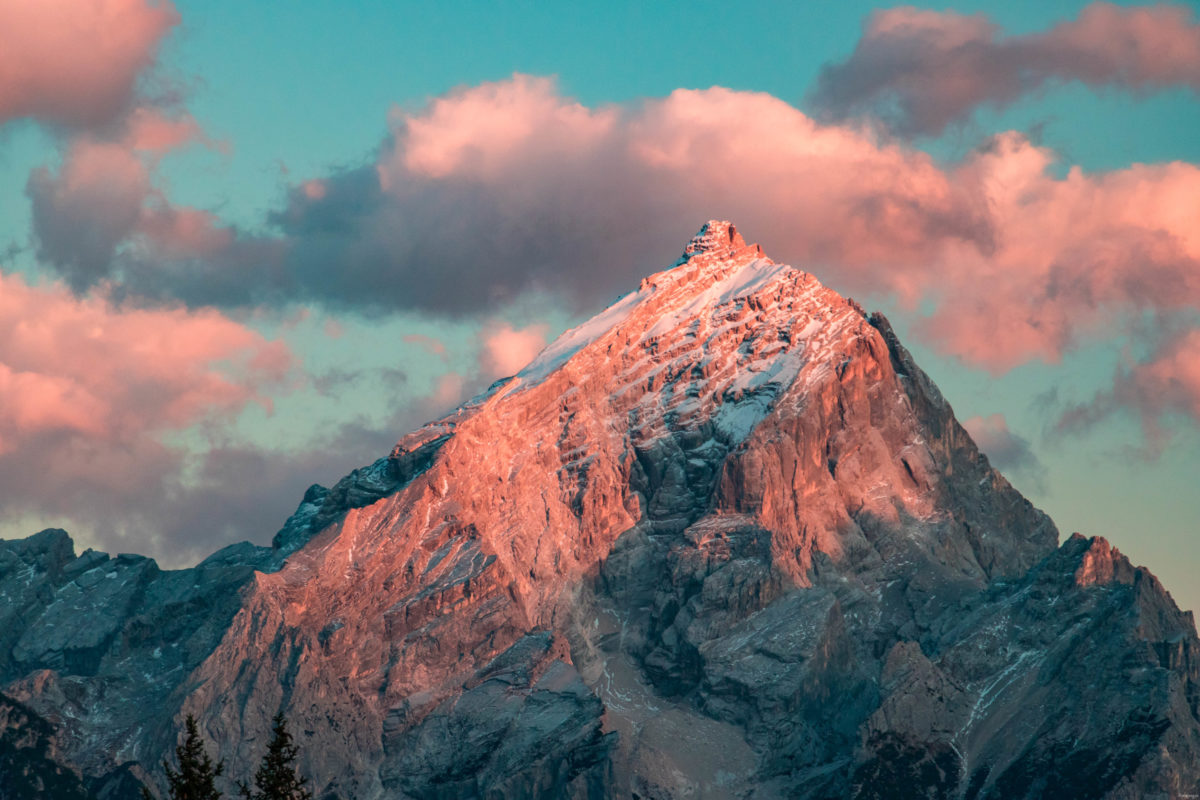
[(724, 540)]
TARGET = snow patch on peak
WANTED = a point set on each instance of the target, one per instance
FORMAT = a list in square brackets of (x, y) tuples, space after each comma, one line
[(572, 341), (717, 269), (690, 298), (743, 281)]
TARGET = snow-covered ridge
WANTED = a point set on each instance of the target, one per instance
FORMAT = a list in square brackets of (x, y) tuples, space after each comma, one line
[(716, 268), (572, 341)]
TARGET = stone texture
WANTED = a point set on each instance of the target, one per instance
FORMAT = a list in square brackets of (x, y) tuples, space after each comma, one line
[(724, 540)]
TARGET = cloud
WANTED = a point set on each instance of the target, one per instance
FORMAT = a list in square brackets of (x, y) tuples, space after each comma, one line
[(76, 63), (94, 392), (235, 491), (506, 350), (87, 368), (1165, 384), (462, 133), (919, 71), (1074, 258), (1006, 451), (102, 220), (428, 343), (173, 503), (83, 68), (507, 189), (583, 202), (1013, 262), (117, 424)]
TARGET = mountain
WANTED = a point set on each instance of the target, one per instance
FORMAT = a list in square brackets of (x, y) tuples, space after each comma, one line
[(724, 540)]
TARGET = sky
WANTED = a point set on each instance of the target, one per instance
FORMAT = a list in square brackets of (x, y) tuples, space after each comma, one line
[(245, 249)]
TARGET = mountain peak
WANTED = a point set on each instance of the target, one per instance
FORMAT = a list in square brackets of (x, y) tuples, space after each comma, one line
[(718, 238), (715, 235), (717, 276), (723, 520)]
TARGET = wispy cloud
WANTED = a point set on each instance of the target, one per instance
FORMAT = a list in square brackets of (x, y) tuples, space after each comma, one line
[(1165, 384), (1006, 450)]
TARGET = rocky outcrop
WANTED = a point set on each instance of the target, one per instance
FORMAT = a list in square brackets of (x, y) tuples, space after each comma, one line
[(30, 765), (724, 540)]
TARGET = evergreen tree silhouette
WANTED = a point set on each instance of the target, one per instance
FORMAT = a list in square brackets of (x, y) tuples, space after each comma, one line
[(276, 778), (195, 779)]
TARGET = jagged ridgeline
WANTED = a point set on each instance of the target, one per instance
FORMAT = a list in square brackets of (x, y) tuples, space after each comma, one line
[(724, 540)]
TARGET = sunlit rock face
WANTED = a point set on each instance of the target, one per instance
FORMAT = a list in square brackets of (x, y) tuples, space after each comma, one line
[(723, 540)]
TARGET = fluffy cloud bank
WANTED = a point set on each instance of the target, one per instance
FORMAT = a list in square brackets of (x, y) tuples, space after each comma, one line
[(86, 368), (76, 63), (497, 190), (91, 390), (920, 71)]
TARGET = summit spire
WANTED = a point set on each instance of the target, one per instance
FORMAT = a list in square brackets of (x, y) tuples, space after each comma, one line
[(719, 238)]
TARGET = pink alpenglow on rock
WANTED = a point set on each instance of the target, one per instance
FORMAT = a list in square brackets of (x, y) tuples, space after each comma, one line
[(724, 539)]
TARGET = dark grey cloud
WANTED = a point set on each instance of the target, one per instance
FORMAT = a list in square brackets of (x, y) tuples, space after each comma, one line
[(80, 231), (920, 71), (461, 246), (99, 220)]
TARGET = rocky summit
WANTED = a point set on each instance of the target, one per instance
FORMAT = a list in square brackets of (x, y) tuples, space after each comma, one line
[(724, 540)]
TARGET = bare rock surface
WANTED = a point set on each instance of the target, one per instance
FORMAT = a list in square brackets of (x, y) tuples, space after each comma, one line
[(724, 540)]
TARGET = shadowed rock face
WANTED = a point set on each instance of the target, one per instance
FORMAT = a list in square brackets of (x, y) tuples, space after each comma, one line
[(724, 540)]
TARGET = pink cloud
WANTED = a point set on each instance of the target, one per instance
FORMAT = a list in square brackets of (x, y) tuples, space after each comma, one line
[(1164, 384), (923, 70), (77, 62), (483, 130), (96, 394), (1071, 256), (449, 390), (1013, 262), (93, 395), (151, 131), (496, 191), (86, 369), (313, 190), (104, 200), (506, 350), (428, 343), (334, 329), (587, 202), (1170, 380)]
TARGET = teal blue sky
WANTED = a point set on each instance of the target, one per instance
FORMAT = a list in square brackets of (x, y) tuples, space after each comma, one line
[(305, 91)]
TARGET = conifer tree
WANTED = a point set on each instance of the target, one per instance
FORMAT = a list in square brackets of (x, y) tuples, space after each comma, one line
[(195, 778), (276, 778)]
